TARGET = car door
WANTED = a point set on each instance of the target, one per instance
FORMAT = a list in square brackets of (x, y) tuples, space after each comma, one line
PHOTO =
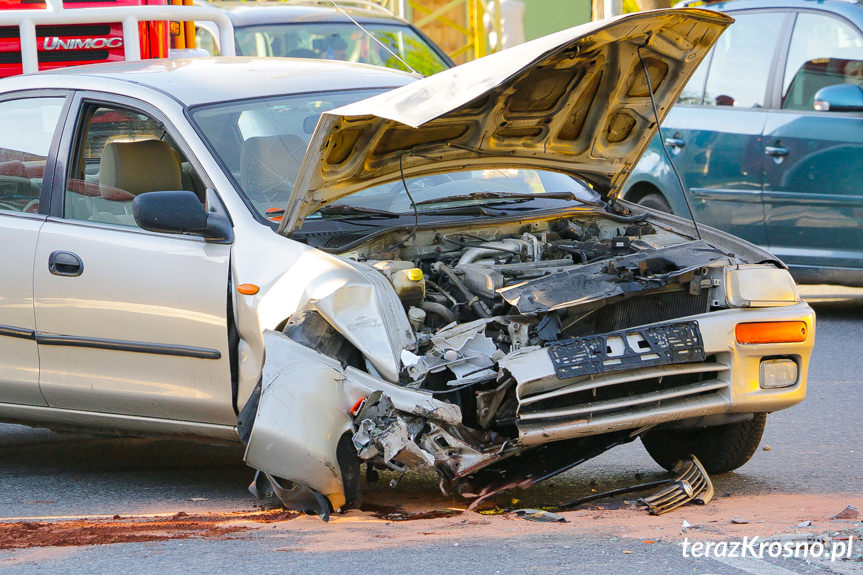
[(29, 128), (812, 193), (714, 137), (129, 322)]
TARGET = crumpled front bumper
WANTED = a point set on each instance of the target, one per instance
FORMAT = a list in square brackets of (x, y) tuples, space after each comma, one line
[(726, 381)]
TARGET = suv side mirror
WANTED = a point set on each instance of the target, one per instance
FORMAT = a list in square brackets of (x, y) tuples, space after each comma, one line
[(839, 98), (178, 212)]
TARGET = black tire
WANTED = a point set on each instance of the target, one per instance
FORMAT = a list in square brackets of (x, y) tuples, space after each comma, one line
[(655, 201), (720, 449)]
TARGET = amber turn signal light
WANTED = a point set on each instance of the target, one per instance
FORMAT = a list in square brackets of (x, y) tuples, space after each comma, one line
[(248, 289), (771, 332)]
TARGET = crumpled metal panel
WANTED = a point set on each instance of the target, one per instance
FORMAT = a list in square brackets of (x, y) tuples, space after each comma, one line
[(371, 317), (302, 413)]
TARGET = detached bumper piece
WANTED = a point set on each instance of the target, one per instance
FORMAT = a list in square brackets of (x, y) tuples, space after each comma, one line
[(691, 483)]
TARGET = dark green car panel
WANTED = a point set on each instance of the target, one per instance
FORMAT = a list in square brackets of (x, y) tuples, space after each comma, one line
[(757, 159)]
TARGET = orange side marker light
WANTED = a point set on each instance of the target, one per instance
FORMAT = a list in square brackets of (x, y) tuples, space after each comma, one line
[(771, 332)]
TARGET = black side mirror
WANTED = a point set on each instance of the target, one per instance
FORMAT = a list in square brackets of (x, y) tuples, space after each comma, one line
[(178, 212), (839, 98)]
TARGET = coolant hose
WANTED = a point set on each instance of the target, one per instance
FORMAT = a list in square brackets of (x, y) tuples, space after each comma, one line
[(476, 304), (438, 309)]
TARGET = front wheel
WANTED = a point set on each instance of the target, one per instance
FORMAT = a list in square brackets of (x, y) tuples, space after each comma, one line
[(720, 449)]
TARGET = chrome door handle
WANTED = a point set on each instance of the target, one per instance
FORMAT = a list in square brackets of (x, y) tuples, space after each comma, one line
[(62, 263), (776, 151), (674, 142)]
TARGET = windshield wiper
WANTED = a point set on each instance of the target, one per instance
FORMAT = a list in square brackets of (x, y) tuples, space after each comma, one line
[(349, 210), (508, 197)]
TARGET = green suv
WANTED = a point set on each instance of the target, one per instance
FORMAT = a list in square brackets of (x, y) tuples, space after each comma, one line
[(768, 137)]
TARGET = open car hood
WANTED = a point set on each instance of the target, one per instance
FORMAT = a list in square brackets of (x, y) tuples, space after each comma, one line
[(576, 102)]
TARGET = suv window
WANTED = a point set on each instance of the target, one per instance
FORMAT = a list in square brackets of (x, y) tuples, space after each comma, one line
[(120, 154), (741, 62), (824, 51), (28, 128)]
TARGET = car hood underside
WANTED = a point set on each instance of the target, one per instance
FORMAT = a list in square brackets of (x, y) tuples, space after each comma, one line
[(577, 102)]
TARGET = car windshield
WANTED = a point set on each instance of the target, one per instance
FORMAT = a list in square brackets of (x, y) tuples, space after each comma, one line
[(261, 144), (342, 41)]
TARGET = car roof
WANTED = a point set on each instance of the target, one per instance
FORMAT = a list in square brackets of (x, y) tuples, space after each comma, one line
[(258, 14), (851, 9), (194, 81)]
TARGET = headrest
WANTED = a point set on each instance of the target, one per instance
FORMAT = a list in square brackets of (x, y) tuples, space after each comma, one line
[(140, 167)]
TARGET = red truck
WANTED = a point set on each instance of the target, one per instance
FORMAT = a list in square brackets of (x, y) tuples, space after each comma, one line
[(46, 34)]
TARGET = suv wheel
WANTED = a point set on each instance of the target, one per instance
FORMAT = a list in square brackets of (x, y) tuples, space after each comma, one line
[(720, 449), (655, 201)]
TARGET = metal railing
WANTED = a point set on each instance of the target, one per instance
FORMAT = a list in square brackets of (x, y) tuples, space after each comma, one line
[(130, 16)]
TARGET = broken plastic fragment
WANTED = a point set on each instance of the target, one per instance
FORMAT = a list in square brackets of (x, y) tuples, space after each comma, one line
[(540, 515)]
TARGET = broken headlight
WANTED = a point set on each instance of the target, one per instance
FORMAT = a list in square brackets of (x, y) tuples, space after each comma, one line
[(756, 285)]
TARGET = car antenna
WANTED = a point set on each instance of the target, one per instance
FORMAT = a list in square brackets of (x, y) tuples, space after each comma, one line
[(662, 143), (372, 36)]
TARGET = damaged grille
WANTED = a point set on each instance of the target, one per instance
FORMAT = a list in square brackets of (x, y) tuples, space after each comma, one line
[(649, 388), (645, 372), (642, 310)]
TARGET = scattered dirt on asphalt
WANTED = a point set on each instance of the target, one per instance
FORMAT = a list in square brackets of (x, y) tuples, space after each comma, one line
[(766, 515), (77, 532), (409, 521)]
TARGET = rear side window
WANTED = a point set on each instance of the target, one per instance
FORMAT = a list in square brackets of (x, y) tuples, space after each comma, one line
[(741, 61), (28, 126), (824, 51)]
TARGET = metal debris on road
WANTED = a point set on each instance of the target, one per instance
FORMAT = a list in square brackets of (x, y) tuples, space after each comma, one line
[(850, 512), (691, 483), (540, 515)]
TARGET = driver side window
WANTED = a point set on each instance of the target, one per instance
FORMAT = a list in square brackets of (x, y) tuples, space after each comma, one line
[(120, 154)]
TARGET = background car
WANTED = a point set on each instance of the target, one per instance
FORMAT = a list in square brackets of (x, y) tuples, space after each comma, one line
[(322, 31), (768, 137)]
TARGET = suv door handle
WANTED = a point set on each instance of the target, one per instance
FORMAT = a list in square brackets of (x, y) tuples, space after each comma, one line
[(65, 264), (776, 151), (675, 142)]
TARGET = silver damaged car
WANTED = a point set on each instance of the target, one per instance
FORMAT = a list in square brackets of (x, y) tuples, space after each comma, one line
[(340, 265)]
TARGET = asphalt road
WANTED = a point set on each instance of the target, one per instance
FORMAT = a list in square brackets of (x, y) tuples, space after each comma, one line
[(813, 448)]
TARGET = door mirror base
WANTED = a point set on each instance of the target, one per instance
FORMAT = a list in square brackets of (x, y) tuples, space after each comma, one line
[(180, 212)]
